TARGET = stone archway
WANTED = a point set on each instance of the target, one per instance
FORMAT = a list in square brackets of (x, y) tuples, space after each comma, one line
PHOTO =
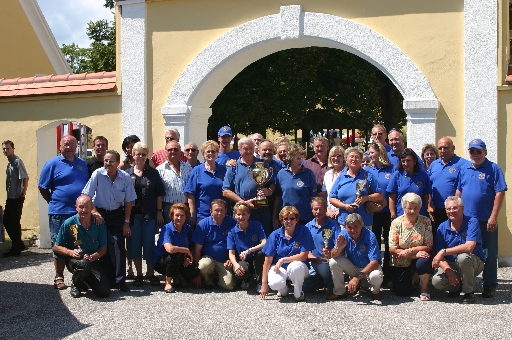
[(188, 104)]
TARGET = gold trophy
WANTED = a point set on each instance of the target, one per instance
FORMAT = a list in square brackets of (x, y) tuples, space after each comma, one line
[(326, 233), (359, 187), (260, 175), (73, 230)]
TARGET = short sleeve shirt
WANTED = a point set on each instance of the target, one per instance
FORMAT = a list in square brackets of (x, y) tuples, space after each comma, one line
[(15, 173), (296, 190), (213, 237), (404, 238), (175, 183), (383, 175), (92, 238), (278, 246), (323, 233), (240, 240), (152, 187), (444, 178), (319, 170), (110, 195), (222, 157), (237, 180), (205, 186), (169, 234), (402, 183), (367, 249)]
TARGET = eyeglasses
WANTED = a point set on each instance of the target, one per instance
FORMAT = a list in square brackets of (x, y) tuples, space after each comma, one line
[(289, 218), (190, 150), (141, 154), (475, 151), (173, 149), (377, 134), (452, 208), (109, 161)]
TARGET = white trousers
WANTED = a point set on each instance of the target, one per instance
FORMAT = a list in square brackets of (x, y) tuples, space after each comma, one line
[(341, 265), (296, 271)]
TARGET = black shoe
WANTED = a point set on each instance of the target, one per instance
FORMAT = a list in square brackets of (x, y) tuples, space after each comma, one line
[(123, 287), (75, 292), (455, 294), (468, 298), (138, 281), (11, 253), (208, 287), (488, 293), (170, 290)]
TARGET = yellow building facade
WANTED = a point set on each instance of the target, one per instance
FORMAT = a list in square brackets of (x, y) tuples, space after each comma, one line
[(448, 59)]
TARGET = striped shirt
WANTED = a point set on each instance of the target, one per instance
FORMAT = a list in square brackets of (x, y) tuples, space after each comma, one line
[(174, 183)]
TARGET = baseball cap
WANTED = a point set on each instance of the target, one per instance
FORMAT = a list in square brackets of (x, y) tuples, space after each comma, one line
[(477, 144), (225, 130)]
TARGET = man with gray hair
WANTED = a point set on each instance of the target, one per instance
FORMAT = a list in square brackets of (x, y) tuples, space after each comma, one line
[(238, 186), (257, 138), (459, 254), (191, 153), (318, 163), (160, 156), (356, 252)]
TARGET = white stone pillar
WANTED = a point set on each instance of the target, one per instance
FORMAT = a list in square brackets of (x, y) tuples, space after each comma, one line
[(421, 123), (191, 122), (133, 68)]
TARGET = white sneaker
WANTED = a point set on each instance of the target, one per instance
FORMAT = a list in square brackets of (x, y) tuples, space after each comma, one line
[(258, 288), (245, 285)]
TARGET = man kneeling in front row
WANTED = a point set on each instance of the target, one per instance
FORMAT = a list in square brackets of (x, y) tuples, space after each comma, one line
[(362, 262), (84, 244)]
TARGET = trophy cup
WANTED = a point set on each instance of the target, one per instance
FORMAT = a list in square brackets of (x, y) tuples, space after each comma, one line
[(260, 175), (73, 230), (326, 233), (359, 187)]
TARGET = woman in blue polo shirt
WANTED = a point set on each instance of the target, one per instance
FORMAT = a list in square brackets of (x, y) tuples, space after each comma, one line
[(408, 178), (285, 252), (172, 256), (295, 186), (245, 241), (205, 183)]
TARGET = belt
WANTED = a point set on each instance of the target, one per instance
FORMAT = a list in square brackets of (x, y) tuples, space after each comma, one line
[(116, 211)]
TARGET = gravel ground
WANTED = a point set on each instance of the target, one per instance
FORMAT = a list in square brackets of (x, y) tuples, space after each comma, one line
[(31, 308)]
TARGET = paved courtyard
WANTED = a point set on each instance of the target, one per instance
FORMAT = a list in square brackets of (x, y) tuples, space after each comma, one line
[(30, 308)]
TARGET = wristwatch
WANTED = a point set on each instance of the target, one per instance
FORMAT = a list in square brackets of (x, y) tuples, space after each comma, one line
[(360, 275), (127, 221)]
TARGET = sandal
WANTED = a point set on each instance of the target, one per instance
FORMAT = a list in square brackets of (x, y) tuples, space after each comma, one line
[(153, 280), (425, 297), (138, 281), (59, 283)]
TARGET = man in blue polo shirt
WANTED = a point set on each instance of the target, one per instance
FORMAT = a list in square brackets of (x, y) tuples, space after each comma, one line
[(322, 229), (362, 261), (238, 186), (396, 142), (112, 192), (460, 256), (481, 185), (210, 247), (84, 244), (443, 173), (60, 183), (225, 136)]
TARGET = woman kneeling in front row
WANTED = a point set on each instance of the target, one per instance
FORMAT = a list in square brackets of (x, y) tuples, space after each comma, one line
[(172, 255), (285, 252)]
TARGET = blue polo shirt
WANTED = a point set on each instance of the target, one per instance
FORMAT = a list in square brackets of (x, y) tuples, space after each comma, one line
[(296, 190), (401, 183), (206, 187), (444, 179), (479, 187), (276, 167), (169, 234), (222, 157), (65, 180), (107, 194), (240, 240), (383, 176), (278, 246), (93, 238), (213, 238), (395, 160), (365, 250), (446, 237), (317, 235), (344, 189), (237, 180)]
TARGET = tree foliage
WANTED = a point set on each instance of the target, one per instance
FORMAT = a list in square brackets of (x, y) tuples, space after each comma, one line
[(309, 89)]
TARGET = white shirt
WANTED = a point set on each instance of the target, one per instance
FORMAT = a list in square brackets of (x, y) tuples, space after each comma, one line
[(174, 183)]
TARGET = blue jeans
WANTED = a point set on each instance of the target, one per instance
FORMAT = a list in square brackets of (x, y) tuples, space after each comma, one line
[(55, 222), (141, 244), (319, 277), (490, 246)]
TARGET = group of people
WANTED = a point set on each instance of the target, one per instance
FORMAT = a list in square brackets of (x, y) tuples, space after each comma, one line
[(312, 222)]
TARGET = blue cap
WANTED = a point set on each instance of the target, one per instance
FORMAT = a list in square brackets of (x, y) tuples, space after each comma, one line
[(477, 144), (225, 130)]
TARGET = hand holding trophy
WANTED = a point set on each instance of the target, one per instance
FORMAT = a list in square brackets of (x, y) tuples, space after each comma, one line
[(73, 230), (326, 233), (260, 175), (359, 188)]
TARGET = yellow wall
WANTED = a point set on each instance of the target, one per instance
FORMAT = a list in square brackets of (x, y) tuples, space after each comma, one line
[(22, 52), (505, 162), (430, 33), (20, 119)]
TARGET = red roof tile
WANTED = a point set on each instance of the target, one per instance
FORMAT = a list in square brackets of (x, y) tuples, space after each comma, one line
[(58, 84)]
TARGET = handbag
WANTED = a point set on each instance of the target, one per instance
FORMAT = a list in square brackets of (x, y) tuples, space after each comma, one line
[(371, 206)]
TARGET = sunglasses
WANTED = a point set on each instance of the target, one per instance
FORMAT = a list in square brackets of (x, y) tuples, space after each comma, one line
[(289, 218), (475, 151), (405, 153), (109, 161), (173, 149), (190, 150)]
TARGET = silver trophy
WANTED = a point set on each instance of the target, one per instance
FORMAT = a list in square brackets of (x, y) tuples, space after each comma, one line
[(359, 187), (260, 175), (326, 233)]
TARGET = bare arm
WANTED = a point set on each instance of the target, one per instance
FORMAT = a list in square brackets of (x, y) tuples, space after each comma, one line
[(25, 186), (392, 204), (45, 193)]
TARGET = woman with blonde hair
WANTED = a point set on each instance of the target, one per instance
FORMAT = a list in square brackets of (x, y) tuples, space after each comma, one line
[(335, 161)]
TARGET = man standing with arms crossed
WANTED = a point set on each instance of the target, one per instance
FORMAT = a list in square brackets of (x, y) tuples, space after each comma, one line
[(16, 185)]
